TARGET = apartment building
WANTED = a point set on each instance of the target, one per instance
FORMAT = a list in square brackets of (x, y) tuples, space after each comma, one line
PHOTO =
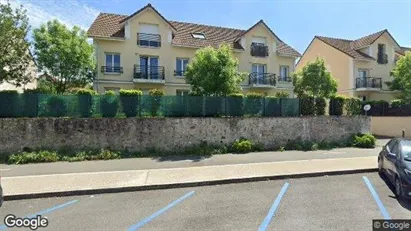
[(362, 67), (145, 50)]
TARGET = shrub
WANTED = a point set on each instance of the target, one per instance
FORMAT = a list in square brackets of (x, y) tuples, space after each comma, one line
[(242, 146), (236, 104), (364, 141), (93, 155), (282, 94), (56, 106), (130, 100), (109, 104), (155, 98), (253, 103), (353, 106), (307, 106), (293, 145), (320, 104), (337, 105), (85, 101), (33, 157), (396, 102), (8, 103)]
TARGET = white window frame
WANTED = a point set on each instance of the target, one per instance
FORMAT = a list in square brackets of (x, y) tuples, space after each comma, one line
[(182, 91), (198, 35), (362, 71), (182, 65), (287, 68), (112, 61)]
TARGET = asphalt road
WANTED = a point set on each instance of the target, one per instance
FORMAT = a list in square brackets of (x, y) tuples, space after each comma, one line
[(179, 162), (321, 203)]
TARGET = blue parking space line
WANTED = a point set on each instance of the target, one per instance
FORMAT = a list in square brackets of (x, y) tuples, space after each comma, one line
[(273, 209), (374, 194), (159, 212), (49, 210)]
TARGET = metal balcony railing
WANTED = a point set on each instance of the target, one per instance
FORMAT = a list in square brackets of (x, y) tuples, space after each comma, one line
[(148, 72), (111, 69), (262, 79), (287, 79), (179, 73), (148, 40), (382, 58), (368, 82), (259, 50)]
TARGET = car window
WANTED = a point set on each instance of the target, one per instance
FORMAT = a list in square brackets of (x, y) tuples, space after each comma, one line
[(390, 145), (394, 148), (406, 150)]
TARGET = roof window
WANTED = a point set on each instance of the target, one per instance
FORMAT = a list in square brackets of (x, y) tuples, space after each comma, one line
[(198, 35)]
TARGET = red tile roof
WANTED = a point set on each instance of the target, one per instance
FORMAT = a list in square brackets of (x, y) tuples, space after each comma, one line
[(112, 26)]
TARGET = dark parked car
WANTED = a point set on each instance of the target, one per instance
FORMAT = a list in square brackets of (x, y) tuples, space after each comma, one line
[(394, 161)]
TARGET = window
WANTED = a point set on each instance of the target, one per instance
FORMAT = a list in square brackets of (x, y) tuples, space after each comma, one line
[(149, 68), (148, 35), (182, 92), (181, 66), (362, 74), (284, 73), (381, 48), (258, 68), (112, 63), (198, 35)]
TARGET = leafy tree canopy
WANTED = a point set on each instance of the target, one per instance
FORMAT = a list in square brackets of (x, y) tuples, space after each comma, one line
[(402, 77), (64, 54), (214, 72), (15, 57), (314, 80)]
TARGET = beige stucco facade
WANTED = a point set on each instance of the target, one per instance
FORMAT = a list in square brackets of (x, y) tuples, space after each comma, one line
[(167, 54), (345, 69), (391, 126)]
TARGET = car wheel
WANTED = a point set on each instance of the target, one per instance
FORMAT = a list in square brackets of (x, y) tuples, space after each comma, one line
[(398, 187)]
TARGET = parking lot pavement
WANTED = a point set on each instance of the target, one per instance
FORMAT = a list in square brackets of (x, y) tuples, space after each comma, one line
[(320, 203)]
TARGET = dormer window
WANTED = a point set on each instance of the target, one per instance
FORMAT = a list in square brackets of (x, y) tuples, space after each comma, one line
[(198, 35)]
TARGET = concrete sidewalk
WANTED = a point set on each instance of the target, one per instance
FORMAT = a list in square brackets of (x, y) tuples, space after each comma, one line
[(20, 187)]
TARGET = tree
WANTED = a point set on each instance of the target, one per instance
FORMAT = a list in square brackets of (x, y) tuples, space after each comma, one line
[(15, 57), (402, 77), (64, 54), (314, 81), (214, 72)]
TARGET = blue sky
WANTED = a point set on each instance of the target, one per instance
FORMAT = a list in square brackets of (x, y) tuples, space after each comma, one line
[(294, 21)]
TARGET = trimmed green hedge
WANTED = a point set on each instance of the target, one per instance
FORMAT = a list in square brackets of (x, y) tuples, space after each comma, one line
[(56, 106), (396, 102), (109, 104), (307, 106), (130, 100), (337, 105), (353, 106), (253, 103), (85, 102), (320, 104), (155, 98)]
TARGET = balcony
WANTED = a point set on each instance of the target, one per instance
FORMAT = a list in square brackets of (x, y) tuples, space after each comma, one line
[(148, 74), (382, 58), (259, 50), (287, 79), (368, 83), (111, 70), (262, 80), (148, 40), (179, 73)]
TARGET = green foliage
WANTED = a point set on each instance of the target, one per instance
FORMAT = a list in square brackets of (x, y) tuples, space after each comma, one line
[(130, 101), (337, 105), (242, 146), (314, 80), (402, 77), (155, 98), (109, 104), (320, 104), (214, 72), (236, 104), (92, 155), (253, 103), (364, 141), (15, 57), (85, 102), (64, 54), (397, 103), (307, 106), (56, 106), (8, 103), (33, 157), (282, 94), (353, 106)]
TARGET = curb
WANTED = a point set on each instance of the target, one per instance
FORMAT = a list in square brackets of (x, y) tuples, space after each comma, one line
[(182, 185)]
